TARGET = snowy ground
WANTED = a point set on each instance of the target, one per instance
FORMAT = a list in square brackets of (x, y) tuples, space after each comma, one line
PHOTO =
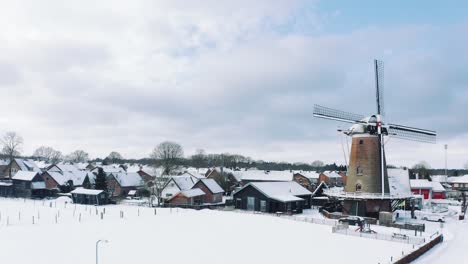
[(455, 245), (177, 236)]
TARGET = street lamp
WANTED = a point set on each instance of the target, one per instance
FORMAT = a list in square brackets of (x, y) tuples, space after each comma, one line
[(97, 251)]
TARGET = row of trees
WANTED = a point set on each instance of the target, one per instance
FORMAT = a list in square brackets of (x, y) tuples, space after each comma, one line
[(170, 155)]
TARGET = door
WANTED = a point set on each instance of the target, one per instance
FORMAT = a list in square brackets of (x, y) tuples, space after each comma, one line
[(251, 203)]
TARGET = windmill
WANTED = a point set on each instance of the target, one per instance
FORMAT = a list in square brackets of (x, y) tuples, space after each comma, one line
[(367, 171)]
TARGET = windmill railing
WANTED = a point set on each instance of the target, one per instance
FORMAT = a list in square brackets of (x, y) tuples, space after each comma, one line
[(364, 195)]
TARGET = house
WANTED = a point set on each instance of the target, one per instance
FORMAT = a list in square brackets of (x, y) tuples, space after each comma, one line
[(459, 183), (120, 183), (228, 179), (188, 197), (29, 184), (333, 178), (175, 184), (88, 196), (20, 165), (313, 176), (428, 189), (65, 181), (271, 197), (303, 181), (213, 192)]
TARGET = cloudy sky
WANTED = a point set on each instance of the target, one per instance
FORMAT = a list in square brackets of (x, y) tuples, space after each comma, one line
[(231, 76)]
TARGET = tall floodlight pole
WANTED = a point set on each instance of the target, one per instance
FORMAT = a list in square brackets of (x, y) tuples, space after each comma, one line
[(446, 171), (97, 249)]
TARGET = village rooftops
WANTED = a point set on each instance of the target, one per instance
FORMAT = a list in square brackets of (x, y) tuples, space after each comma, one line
[(125, 179), (184, 182), (309, 174), (27, 165), (425, 184), (280, 191), (192, 192), (77, 177), (212, 185), (398, 180), (458, 179), (25, 175), (86, 191)]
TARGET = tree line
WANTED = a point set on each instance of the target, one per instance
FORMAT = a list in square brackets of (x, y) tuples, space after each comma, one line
[(170, 155)]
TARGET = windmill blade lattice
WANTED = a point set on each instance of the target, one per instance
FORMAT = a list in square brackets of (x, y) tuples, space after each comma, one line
[(379, 85), (337, 115), (412, 133)]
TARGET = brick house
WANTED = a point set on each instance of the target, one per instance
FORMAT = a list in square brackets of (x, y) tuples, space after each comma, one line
[(188, 197), (19, 165), (213, 192), (66, 181), (120, 183)]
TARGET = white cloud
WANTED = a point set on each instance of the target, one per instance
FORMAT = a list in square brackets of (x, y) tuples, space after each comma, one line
[(235, 76)]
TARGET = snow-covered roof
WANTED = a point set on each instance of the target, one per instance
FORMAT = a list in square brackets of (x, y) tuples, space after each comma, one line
[(212, 185), (280, 191), (260, 175), (332, 174), (439, 178), (398, 180), (458, 179), (86, 191), (25, 175), (185, 182), (131, 179), (437, 187), (421, 184), (27, 165), (109, 169), (192, 192), (63, 167), (309, 174), (77, 177)]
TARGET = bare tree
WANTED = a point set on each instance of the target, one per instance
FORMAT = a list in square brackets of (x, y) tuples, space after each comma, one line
[(317, 164), (169, 154), (422, 169), (199, 159), (48, 154), (77, 156), (11, 146), (466, 166), (114, 156)]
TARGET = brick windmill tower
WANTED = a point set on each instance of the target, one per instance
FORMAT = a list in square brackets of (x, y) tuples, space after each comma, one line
[(367, 170)]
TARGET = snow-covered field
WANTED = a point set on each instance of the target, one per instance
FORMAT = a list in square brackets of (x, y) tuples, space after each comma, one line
[(172, 236)]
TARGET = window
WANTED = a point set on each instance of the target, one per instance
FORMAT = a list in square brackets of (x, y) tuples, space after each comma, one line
[(359, 170), (361, 142), (168, 194), (263, 206), (358, 187)]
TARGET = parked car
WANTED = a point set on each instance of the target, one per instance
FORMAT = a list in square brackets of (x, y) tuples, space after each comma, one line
[(433, 218), (352, 220)]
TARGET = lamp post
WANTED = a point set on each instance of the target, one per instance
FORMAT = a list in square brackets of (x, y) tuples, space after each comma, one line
[(97, 249)]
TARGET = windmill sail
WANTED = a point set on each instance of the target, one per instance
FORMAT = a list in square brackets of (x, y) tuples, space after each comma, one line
[(412, 133), (337, 115), (379, 85)]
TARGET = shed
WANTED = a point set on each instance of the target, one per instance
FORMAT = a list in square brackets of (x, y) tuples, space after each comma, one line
[(88, 196), (272, 197)]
